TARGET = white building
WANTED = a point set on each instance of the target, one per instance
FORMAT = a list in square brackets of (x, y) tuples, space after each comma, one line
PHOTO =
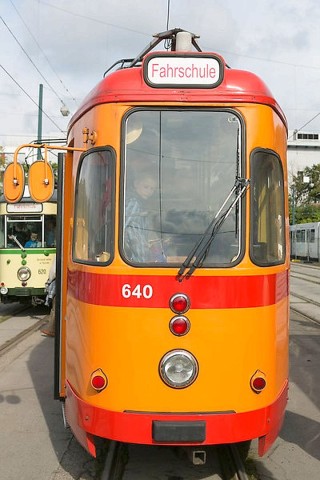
[(303, 151)]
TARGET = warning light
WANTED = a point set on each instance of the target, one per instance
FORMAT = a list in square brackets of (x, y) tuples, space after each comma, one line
[(179, 303)]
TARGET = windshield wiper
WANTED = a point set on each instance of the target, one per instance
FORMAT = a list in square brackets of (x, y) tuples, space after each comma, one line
[(14, 238), (200, 250)]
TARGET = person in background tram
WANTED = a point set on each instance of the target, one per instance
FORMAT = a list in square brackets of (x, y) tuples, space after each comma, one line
[(33, 241), (21, 233)]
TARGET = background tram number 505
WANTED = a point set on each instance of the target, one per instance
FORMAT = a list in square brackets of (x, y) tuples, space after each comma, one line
[(138, 291)]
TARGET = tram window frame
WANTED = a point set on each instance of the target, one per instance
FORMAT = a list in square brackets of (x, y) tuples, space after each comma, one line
[(84, 235), (300, 235), (312, 235), (267, 209), (215, 259), (2, 231), (32, 222)]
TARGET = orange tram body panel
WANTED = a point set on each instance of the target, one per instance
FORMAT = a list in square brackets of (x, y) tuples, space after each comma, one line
[(173, 319), (153, 352)]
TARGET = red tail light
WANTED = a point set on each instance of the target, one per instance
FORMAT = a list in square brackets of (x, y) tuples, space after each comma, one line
[(179, 303), (179, 325), (258, 381), (99, 380)]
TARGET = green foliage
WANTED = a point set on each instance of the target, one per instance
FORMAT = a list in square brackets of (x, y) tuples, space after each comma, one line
[(306, 214), (304, 196), (2, 157)]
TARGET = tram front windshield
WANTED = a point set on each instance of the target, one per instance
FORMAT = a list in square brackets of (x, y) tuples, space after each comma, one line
[(178, 169)]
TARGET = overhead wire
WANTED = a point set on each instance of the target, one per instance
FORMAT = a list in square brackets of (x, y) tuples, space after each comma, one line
[(304, 125), (142, 33), (30, 59), (33, 101), (97, 20), (43, 53), (280, 63)]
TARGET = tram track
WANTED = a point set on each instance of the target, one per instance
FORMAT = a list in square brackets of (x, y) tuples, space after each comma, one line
[(13, 341), (9, 344), (224, 461), (304, 314), (303, 291), (306, 277), (305, 299), (233, 467)]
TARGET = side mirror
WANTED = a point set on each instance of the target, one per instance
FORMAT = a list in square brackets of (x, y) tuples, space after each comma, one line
[(13, 182), (41, 181)]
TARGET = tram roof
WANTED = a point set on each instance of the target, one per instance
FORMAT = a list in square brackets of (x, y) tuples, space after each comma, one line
[(127, 84)]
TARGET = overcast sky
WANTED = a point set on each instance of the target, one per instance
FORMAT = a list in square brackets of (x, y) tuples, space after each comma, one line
[(68, 44)]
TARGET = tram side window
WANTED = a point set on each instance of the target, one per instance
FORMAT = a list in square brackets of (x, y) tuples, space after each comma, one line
[(300, 236), (50, 231), (1, 232), (267, 230), (93, 222), (312, 235)]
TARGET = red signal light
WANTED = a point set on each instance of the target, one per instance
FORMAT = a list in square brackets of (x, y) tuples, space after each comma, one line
[(179, 303), (258, 381), (179, 325), (99, 380)]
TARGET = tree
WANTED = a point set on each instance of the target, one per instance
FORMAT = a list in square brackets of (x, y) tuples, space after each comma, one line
[(304, 196), (2, 158), (2, 167)]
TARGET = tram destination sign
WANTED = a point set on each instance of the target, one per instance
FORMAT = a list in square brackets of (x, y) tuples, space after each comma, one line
[(24, 207), (185, 70)]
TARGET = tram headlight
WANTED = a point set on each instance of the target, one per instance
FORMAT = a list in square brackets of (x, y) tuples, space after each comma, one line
[(178, 368), (3, 290), (23, 274)]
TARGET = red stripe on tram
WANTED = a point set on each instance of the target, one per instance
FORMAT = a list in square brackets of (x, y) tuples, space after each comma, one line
[(155, 291)]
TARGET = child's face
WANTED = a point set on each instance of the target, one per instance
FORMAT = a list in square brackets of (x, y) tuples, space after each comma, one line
[(145, 187)]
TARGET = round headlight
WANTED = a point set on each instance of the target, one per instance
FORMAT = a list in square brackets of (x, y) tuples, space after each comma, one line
[(178, 368), (3, 290), (24, 273)]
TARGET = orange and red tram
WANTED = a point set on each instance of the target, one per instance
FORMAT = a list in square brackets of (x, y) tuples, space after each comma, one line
[(173, 307)]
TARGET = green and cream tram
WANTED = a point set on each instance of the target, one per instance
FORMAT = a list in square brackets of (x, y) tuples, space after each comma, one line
[(27, 248)]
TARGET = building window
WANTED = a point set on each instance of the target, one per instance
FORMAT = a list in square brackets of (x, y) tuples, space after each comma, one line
[(308, 136)]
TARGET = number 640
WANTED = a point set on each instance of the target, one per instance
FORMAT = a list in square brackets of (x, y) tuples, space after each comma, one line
[(139, 291)]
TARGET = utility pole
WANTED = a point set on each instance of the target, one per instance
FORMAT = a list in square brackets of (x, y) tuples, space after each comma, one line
[(293, 195), (39, 140)]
